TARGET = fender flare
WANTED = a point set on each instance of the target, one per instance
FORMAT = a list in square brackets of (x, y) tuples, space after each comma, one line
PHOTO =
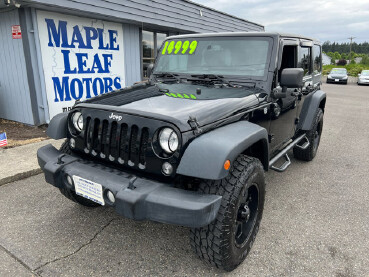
[(311, 105), (205, 156), (58, 126)]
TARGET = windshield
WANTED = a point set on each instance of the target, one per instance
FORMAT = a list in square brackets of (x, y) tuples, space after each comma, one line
[(338, 71), (365, 73), (235, 56)]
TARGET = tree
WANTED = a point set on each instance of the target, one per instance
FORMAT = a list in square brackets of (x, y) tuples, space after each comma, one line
[(330, 54), (344, 56), (353, 55), (365, 60), (359, 48), (337, 55)]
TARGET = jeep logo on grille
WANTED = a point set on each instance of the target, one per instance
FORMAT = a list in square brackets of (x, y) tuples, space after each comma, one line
[(115, 117)]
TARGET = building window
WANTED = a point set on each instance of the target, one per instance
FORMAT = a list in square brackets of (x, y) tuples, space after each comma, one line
[(148, 50), (160, 37), (151, 43)]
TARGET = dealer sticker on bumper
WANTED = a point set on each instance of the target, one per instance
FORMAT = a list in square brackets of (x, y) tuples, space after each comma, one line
[(88, 189)]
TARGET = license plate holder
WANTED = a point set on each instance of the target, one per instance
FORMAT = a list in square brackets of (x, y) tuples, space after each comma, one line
[(89, 190), (336, 80)]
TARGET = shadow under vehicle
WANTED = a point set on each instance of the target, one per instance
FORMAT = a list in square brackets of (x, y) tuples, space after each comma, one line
[(191, 145)]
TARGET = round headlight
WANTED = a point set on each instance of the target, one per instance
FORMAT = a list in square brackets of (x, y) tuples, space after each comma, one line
[(77, 120), (168, 140)]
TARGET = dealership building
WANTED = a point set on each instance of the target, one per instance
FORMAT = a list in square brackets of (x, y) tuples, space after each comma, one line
[(53, 52)]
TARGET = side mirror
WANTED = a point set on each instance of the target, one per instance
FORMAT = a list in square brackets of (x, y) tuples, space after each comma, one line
[(292, 78), (149, 69), (359, 75)]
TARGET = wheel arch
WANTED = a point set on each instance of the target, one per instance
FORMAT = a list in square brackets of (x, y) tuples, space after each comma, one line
[(312, 103), (205, 156), (58, 126)]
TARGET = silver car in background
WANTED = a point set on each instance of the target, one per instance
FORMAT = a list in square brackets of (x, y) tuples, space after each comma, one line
[(363, 78)]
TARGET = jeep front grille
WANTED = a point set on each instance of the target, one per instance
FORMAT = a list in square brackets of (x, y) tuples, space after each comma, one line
[(117, 142)]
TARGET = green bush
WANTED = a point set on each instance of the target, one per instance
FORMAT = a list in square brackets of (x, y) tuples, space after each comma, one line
[(365, 60), (352, 69)]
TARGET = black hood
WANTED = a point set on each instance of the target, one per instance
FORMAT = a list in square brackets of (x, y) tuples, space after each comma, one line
[(166, 104)]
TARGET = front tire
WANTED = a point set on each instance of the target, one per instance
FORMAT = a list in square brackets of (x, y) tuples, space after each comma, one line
[(313, 136), (71, 195), (226, 242)]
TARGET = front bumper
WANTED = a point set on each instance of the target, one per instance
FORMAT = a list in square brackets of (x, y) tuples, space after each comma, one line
[(338, 81), (363, 81), (147, 200)]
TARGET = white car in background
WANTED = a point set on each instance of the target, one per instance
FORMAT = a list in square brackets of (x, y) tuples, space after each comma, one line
[(363, 78)]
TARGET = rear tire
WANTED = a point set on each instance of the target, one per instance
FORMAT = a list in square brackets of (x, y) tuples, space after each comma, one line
[(71, 195), (226, 242), (313, 136)]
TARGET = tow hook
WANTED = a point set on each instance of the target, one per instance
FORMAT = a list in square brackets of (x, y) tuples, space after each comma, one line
[(60, 159), (131, 181)]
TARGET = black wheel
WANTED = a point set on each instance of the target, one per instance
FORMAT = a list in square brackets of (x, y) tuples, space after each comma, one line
[(226, 242), (313, 136), (276, 110), (71, 195)]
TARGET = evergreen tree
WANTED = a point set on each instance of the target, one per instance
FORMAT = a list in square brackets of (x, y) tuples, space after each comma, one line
[(344, 47)]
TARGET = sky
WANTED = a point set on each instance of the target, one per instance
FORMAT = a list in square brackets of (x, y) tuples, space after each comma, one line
[(325, 20)]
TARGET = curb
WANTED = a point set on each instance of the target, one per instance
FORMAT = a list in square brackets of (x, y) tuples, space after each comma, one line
[(21, 162), (20, 176)]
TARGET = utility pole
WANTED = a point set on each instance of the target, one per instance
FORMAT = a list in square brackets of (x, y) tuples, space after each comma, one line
[(350, 38)]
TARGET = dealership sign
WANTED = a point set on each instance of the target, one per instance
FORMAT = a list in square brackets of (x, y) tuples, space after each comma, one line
[(81, 57)]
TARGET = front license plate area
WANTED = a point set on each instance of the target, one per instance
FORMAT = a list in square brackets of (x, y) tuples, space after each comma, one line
[(89, 190), (336, 80)]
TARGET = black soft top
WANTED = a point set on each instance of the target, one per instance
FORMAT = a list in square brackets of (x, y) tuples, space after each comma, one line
[(275, 35)]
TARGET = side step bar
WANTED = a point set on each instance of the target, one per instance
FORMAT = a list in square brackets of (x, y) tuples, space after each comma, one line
[(284, 154)]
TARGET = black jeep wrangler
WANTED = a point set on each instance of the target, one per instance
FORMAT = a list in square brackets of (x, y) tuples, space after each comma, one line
[(190, 146)]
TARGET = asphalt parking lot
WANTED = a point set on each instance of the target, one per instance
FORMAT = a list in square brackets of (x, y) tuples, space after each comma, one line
[(316, 218)]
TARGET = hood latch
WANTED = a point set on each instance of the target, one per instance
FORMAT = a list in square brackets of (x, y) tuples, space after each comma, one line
[(194, 124)]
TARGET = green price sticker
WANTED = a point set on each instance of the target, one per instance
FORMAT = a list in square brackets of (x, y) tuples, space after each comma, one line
[(179, 95), (179, 47)]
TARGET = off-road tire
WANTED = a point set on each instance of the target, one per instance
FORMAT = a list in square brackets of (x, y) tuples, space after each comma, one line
[(310, 152), (216, 242), (71, 195)]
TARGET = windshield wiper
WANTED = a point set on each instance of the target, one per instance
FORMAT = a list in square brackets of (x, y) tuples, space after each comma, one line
[(209, 78), (220, 80), (167, 76)]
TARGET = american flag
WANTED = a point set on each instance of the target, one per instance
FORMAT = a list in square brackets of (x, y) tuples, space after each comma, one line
[(3, 140)]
